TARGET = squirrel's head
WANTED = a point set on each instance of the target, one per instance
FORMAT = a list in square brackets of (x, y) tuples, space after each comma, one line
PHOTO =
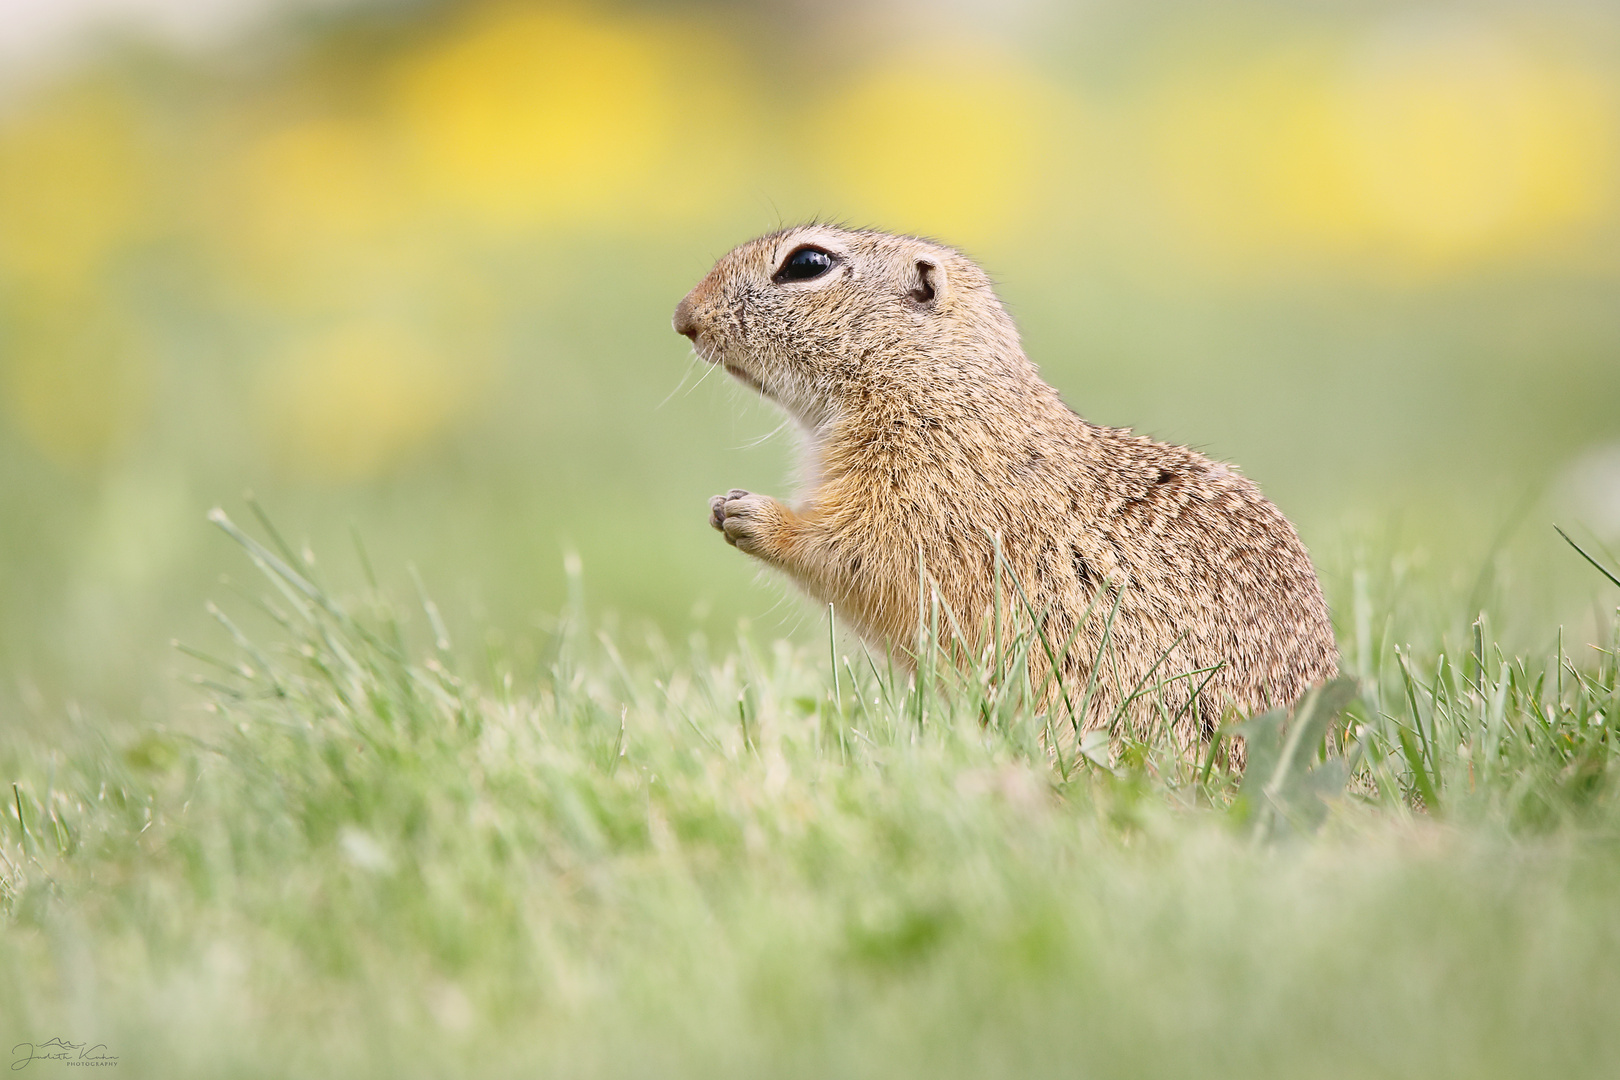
[(815, 315)]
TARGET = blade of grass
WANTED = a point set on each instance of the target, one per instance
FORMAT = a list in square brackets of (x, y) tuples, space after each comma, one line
[(1583, 553)]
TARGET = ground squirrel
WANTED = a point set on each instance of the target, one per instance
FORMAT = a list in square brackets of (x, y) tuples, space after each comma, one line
[(931, 439)]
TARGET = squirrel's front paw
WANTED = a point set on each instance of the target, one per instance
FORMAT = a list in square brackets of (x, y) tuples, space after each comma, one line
[(745, 519)]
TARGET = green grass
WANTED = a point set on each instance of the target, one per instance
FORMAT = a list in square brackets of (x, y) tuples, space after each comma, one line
[(381, 853)]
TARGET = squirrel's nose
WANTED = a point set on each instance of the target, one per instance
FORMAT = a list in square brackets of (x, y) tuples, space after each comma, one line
[(684, 323)]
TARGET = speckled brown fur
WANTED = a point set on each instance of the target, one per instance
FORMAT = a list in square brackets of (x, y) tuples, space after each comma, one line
[(929, 433)]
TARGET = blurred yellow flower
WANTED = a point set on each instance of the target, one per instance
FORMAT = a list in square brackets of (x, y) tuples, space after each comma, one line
[(1460, 144), (1417, 147), (968, 146), (307, 195), (76, 187), (347, 403), (75, 182), (1248, 157), (528, 117)]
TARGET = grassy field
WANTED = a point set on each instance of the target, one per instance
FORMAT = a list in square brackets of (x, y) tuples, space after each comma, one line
[(378, 853)]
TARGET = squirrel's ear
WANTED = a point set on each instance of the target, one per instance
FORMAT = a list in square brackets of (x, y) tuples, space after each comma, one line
[(925, 281)]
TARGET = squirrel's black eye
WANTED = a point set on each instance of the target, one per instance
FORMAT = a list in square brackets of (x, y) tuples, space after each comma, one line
[(804, 264)]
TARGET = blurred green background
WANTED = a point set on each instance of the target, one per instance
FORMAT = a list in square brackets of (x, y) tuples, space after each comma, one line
[(408, 269)]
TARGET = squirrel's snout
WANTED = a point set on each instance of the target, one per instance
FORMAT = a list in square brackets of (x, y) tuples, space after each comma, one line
[(684, 323)]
